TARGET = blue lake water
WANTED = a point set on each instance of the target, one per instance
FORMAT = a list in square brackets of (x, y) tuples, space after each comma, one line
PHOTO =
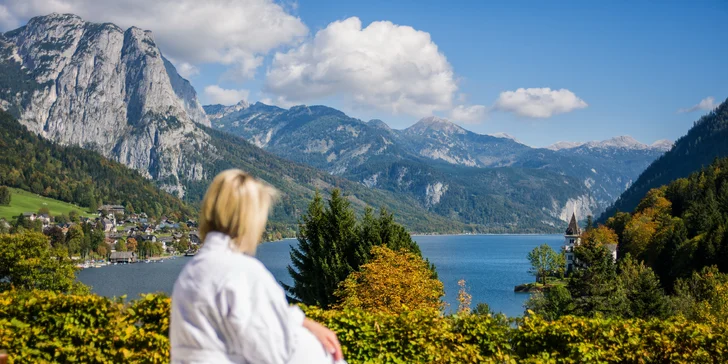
[(490, 264)]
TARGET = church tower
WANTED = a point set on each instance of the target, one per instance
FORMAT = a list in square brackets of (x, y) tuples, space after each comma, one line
[(572, 238)]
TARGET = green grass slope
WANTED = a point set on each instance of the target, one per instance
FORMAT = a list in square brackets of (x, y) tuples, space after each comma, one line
[(76, 175), (24, 201)]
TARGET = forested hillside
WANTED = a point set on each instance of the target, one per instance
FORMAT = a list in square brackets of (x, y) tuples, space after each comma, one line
[(706, 140), (76, 175), (681, 227), (299, 183)]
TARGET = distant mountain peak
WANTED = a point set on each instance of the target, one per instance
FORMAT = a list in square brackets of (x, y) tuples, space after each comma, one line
[(504, 136), (434, 123), (379, 124), (564, 145), (662, 144), (622, 142)]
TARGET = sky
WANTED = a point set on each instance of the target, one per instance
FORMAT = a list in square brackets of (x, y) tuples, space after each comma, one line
[(540, 71)]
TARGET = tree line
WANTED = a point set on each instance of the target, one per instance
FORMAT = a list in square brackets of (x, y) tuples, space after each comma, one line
[(672, 257), (78, 176)]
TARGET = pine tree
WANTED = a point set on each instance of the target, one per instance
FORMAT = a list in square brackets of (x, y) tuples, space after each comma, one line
[(4, 195), (308, 263), (332, 244), (644, 293), (341, 237)]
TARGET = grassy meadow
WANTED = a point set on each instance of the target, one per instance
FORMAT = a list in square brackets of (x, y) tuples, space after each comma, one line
[(24, 201)]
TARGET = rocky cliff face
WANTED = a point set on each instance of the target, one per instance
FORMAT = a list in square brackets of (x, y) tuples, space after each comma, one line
[(108, 89)]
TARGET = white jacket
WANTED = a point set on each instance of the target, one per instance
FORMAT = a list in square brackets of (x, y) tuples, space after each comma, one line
[(228, 308)]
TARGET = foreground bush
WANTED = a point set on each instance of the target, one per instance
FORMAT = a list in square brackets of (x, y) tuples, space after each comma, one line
[(41, 326)]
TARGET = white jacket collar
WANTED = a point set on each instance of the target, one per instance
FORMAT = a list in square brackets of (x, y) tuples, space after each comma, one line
[(216, 240)]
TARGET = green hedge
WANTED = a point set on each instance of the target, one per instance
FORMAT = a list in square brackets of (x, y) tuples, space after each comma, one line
[(43, 326)]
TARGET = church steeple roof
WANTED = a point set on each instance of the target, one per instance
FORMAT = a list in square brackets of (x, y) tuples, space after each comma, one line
[(573, 228)]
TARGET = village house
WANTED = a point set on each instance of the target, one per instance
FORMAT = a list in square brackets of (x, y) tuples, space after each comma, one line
[(111, 209), (123, 257), (45, 218), (108, 225), (195, 238), (30, 215)]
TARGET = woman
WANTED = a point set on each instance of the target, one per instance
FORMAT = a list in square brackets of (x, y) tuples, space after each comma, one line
[(226, 306)]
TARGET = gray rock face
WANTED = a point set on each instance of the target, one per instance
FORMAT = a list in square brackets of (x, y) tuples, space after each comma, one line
[(110, 90)]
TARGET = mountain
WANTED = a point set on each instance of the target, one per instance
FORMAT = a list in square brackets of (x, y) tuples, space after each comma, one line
[(564, 145), (104, 88), (621, 142), (436, 152), (703, 143), (112, 91), (78, 176)]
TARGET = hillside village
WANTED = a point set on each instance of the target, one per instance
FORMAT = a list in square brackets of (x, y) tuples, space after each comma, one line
[(111, 236)]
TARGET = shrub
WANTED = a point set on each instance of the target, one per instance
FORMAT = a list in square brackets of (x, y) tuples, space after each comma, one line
[(42, 326), (392, 282)]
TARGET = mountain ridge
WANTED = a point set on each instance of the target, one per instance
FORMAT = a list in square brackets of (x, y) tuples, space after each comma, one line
[(704, 142), (328, 139)]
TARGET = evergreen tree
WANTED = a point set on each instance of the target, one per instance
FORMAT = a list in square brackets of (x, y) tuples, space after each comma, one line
[(670, 245), (332, 244), (394, 236), (341, 237), (644, 293), (308, 261), (5, 196), (594, 287), (552, 303)]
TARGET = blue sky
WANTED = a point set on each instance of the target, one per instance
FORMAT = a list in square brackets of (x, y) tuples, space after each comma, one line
[(628, 66)]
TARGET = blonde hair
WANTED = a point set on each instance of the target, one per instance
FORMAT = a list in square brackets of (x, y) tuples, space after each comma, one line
[(237, 204)]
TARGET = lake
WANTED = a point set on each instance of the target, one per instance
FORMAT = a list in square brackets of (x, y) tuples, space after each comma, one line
[(490, 264)]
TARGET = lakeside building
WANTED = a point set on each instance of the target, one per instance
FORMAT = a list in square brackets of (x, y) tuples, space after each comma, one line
[(123, 257), (572, 239)]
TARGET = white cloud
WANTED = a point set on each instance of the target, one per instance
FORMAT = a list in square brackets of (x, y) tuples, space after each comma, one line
[(707, 104), (469, 114), (217, 95), (538, 102), (387, 66), (278, 101), (232, 32), (185, 69)]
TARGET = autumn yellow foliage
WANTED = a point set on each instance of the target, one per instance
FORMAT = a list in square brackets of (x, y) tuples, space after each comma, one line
[(392, 282), (599, 235)]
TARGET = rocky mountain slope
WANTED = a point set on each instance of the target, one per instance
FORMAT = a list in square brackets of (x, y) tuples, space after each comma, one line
[(704, 142), (104, 88), (112, 91), (595, 173)]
